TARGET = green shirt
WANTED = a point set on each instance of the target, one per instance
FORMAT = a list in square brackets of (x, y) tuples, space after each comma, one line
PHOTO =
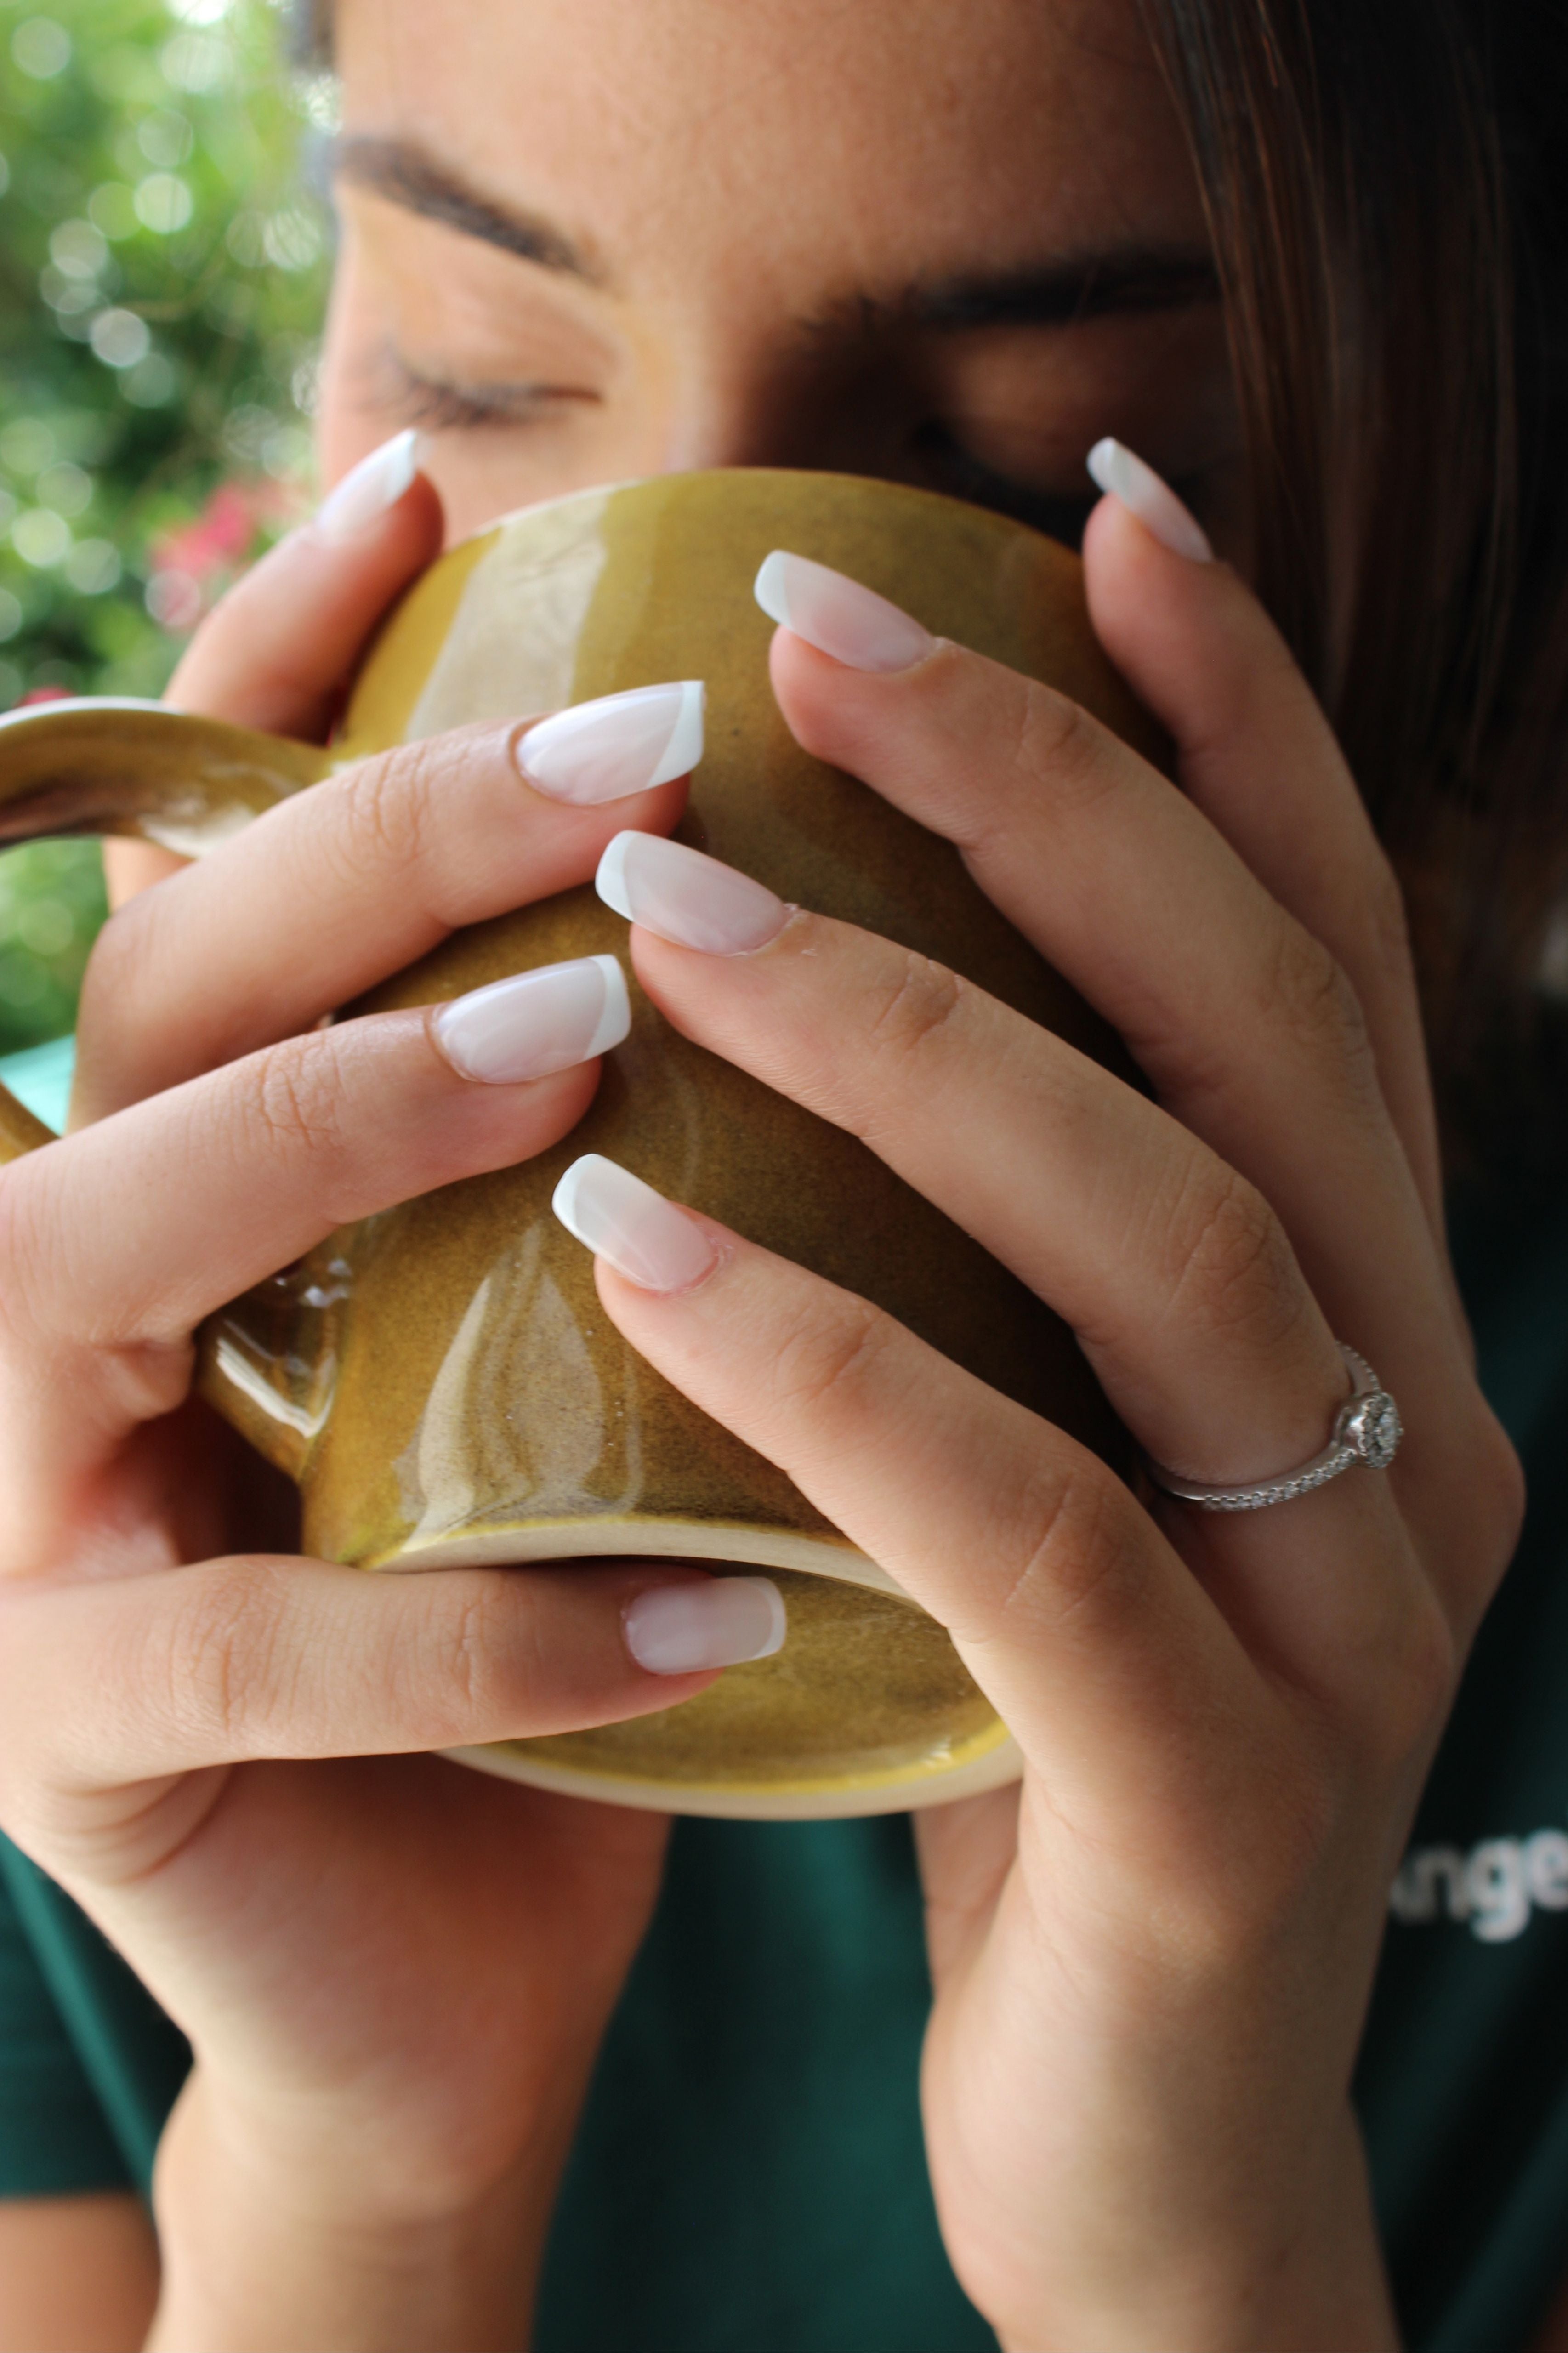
[(750, 2172)]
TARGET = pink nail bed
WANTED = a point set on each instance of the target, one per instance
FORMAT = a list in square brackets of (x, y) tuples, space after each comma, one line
[(536, 1022), (682, 1630), (693, 901), (837, 615), (645, 1237)]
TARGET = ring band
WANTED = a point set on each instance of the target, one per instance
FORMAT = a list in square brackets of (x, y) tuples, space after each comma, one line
[(1367, 1429)]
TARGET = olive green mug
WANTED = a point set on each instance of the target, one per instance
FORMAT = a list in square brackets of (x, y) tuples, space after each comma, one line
[(441, 1380)]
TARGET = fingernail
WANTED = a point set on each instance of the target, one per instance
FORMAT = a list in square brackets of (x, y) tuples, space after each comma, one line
[(617, 1217), (377, 483), (837, 615), (685, 897), (622, 743), (536, 1022), (679, 1629), (1116, 470)]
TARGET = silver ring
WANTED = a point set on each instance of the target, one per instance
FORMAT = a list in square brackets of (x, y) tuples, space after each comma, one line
[(1367, 1429)]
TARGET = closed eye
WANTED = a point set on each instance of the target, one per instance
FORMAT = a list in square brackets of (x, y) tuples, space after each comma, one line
[(442, 405)]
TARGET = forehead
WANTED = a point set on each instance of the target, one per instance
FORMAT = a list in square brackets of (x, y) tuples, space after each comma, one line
[(865, 140)]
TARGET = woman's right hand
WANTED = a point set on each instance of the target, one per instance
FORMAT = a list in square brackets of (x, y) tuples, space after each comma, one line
[(395, 1973)]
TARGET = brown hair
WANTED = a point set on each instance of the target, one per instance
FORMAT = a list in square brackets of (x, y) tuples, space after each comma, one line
[(1387, 196), (1386, 184)]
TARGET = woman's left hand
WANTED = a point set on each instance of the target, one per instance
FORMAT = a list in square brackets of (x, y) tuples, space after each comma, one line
[(1153, 1960)]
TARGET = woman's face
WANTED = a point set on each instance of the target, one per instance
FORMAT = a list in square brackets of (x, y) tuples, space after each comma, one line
[(950, 242)]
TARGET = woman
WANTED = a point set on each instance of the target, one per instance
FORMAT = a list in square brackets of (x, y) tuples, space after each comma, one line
[(1290, 258)]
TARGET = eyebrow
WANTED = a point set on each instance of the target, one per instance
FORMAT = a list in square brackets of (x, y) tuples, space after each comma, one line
[(1061, 292), (409, 176)]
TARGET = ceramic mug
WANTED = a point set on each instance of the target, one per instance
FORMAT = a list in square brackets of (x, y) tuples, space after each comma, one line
[(441, 1380)]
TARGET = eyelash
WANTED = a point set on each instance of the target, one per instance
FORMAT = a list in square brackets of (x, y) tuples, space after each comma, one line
[(441, 407)]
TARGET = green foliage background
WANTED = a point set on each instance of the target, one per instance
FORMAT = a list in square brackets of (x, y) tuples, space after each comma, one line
[(162, 262)]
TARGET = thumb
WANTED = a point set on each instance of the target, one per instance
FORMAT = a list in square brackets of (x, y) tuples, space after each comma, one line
[(110, 1687)]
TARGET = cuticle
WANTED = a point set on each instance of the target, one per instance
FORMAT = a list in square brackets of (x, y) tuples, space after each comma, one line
[(792, 915)]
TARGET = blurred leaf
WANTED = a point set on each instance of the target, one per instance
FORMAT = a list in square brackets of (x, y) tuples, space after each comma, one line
[(163, 265)]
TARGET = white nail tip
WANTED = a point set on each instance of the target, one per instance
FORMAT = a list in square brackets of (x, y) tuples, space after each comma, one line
[(610, 882), (684, 748), (1123, 474), (534, 1023), (771, 587), (618, 1218), (617, 745), (778, 1615), (615, 1020), (1102, 466), (368, 488), (563, 1201), (685, 897), (840, 617)]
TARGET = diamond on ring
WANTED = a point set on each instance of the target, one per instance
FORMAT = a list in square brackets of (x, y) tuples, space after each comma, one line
[(1372, 1426), (1367, 1430)]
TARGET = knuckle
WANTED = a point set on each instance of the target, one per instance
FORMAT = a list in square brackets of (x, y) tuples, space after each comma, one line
[(481, 1653), (299, 1096), (1387, 919), (1308, 995), (1418, 1682), (1497, 1476), (1070, 1555), (217, 1666), (1482, 1525), (914, 1004), (1229, 1259), (386, 811), (1058, 743), (479, 1660), (832, 1359)]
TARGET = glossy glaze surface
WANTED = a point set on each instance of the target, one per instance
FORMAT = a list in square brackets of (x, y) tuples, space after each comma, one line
[(442, 1380)]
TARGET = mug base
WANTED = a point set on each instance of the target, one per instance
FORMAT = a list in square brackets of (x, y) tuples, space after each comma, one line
[(901, 1792), (866, 1709)]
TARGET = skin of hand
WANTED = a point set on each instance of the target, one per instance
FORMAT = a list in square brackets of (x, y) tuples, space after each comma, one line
[(394, 1972), (1151, 1961), (78, 2272), (724, 252)]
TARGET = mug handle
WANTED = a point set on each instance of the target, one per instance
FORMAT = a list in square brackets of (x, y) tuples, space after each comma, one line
[(107, 766)]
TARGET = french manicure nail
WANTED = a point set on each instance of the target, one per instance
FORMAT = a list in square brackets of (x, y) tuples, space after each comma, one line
[(622, 743), (617, 1217), (685, 897), (367, 490), (679, 1629), (536, 1022), (837, 615), (1119, 471)]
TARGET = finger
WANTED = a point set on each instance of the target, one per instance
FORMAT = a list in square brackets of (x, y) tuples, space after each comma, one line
[(1256, 755), (115, 1242), (1173, 1272), (275, 652), (1245, 1023), (108, 1687), (334, 889), (1097, 1647)]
